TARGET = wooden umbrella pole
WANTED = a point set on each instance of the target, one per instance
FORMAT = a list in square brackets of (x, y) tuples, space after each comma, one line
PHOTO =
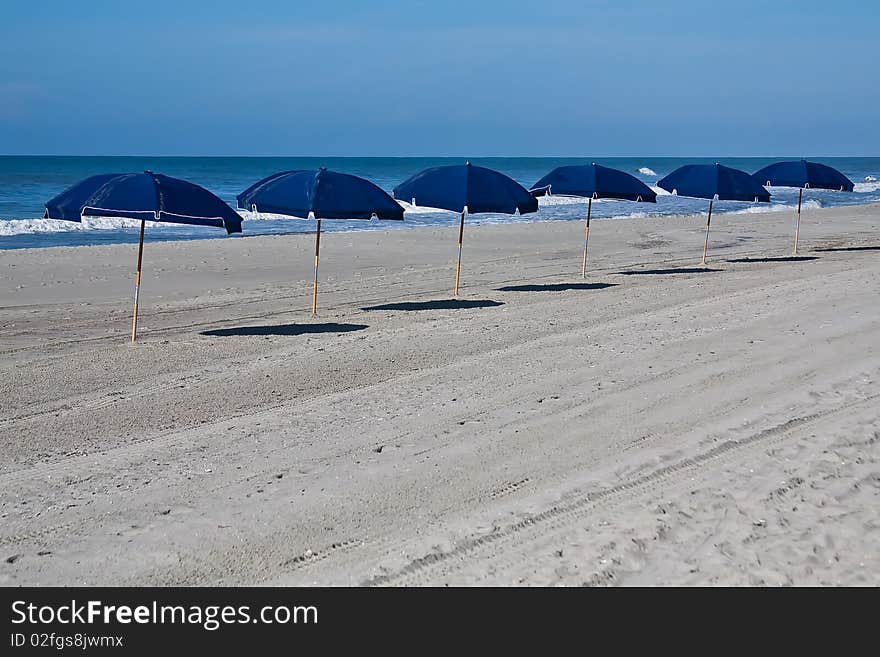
[(587, 235), (460, 240), (797, 229), (137, 282), (708, 221), (315, 286)]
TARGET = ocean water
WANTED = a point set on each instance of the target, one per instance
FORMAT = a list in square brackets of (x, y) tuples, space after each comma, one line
[(26, 183)]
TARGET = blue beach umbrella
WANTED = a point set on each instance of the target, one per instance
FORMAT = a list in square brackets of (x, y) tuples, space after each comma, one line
[(467, 189), (145, 196), (715, 182), (319, 194), (803, 175), (593, 181)]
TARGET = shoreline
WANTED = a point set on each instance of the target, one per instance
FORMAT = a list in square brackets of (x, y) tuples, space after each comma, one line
[(475, 221)]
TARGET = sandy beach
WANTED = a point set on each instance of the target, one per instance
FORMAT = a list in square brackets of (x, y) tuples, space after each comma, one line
[(656, 423)]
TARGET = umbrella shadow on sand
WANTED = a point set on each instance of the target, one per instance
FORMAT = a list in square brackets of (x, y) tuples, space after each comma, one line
[(438, 304), (555, 287), (285, 329), (775, 259), (851, 248), (662, 272)]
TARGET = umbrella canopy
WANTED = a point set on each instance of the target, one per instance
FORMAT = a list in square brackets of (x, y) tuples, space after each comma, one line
[(466, 188), (461, 187), (146, 196), (593, 181), (323, 194), (714, 181), (803, 174), (68, 205)]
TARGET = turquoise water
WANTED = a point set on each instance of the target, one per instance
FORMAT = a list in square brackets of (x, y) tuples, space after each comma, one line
[(26, 183)]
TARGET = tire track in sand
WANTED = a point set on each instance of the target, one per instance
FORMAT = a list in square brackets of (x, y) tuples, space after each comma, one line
[(581, 504)]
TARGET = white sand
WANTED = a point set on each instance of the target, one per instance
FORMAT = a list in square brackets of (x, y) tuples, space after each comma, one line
[(699, 428)]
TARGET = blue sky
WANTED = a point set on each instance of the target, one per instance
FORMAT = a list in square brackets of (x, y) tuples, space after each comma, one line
[(483, 77)]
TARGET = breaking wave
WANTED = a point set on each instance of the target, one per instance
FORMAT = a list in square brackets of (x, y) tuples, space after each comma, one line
[(761, 208), (645, 171), (867, 187), (565, 200), (32, 226), (411, 209), (247, 215)]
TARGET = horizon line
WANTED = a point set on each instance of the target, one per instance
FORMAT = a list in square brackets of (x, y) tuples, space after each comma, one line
[(142, 155)]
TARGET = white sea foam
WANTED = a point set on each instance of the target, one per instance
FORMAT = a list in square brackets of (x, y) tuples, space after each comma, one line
[(247, 215), (26, 226), (761, 208), (870, 179), (113, 223), (659, 191), (30, 226), (414, 210), (645, 171), (867, 187), (566, 200), (408, 208)]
